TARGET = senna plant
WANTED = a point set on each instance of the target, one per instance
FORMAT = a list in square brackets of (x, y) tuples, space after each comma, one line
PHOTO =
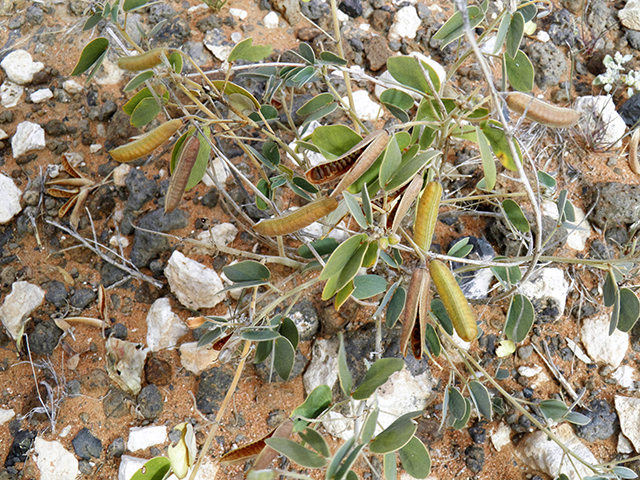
[(379, 192)]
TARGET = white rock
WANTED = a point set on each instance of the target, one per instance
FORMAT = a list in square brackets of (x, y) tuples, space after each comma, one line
[(630, 15), (580, 232), (220, 51), (366, 109), (599, 120), (543, 36), (54, 170), (547, 289), (65, 432), (129, 466), (195, 285), (10, 94), (342, 17), (405, 24), (41, 95), (20, 67), (238, 13), (402, 393), (72, 87), (626, 376), (141, 438), (164, 328), (529, 371), (602, 347), (323, 368), (10, 204), (222, 234), (125, 363), (271, 20), (95, 148), (628, 409), (18, 305), (29, 136), (197, 359), (75, 159), (236, 37), (6, 415), (120, 174), (538, 452), (3, 134), (501, 437), (624, 445), (339, 426), (219, 172), (109, 74), (54, 462)]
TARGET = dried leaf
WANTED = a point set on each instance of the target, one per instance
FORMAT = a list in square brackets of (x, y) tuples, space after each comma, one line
[(62, 193), (71, 182), (70, 169), (67, 206), (74, 220)]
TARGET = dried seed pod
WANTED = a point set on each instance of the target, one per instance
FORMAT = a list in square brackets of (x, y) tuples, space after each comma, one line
[(415, 309), (542, 112), (633, 152), (300, 218), (144, 61), (409, 195), (74, 219), (181, 173), (427, 215), (146, 144), (454, 301)]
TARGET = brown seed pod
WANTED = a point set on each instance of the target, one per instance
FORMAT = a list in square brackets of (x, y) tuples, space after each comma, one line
[(300, 218), (427, 215), (146, 144), (181, 173), (144, 61), (414, 321), (454, 301), (633, 152), (258, 448), (542, 112), (408, 196)]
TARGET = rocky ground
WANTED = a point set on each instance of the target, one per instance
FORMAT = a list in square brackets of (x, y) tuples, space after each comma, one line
[(65, 408)]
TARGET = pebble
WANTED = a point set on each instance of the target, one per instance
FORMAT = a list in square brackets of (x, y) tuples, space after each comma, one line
[(72, 87), (599, 120), (29, 136), (82, 297), (86, 445), (44, 338), (10, 94), (366, 109), (628, 409), (117, 448), (18, 305), (194, 285), (164, 328), (54, 461), (157, 371), (147, 246), (405, 24), (474, 458), (20, 67), (548, 292), (212, 388), (150, 402), (116, 404), (41, 95), (602, 347), (141, 438), (11, 194), (604, 422)]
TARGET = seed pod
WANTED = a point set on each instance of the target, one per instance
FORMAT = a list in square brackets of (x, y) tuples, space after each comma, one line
[(300, 218), (454, 301), (427, 215), (408, 196), (542, 112), (146, 144), (181, 173), (415, 308), (633, 152), (144, 61)]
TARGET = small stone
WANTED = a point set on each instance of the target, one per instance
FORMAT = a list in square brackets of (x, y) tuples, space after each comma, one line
[(474, 458), (628, 409), (85, 467), (141, 438), (10, 205), (164, 328), (193, 284), (82, 297), (602, 347), (366, 109), (72, 87), (41, 95), (118, 330), (353, 8), (18, 305), (604, 422), (116, 404), (630, 15), (271, 20), (117, 448), (20, 67), (238, 13), (197, 359), (405, 24), (212, 388), (86, 445), (44, 339), (157, 371), (501, 437), (54, 461), (96, 383), (150, 402), (525, 352), (10, 94), (599, 120), (29, 136)]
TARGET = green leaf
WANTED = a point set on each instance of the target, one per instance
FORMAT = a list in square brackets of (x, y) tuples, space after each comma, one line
[(396, 305), (138, 80), (565, 208), (284, 356), (440, 312), (263, 350), (323, 112), (263, 186), (377, 375), (90, 55), (316, 103), (577, 418), (415, 458), (315, 404), (266, 474), (348, 271), (355, 210), (131, 105), (459, 424), (409, 169), (553, 409), (176, 61), (502, 32), (344, 375), (515, 216), (391, 161), (546, 180), (315, 441), (454, 27), (251, 53), (389, 466), (528, 10), (289, 331), (481, 398), (610, 292), (629, 310), (624, 472), (488, 164), (334, 140), (303, 76), (145, 112), (507, 276), (154, 469), (515, 33), (519, 71), (340, 455), (369, 427), (246, 271), (457, 405), (368, 286), (296, 452), (330, 57), (407, 71), (92, 21), (396, 435), (306, 52), (129, 5), (520, 318), (345, 467), (261, 335), (397, 102), (323, 247), (494, 131), (341, 256), (461, 248), (433, 340)]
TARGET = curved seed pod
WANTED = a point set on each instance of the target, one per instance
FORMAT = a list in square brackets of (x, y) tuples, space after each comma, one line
[(181, 174), (325, 172), (300, 218), (633, 152), (416, 307), (146, 144), (542, 112), (409, 195), (144, 61), (427, 215), (454, 301)]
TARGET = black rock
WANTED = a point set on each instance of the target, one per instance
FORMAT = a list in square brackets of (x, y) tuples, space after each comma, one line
[(118, 331), (173, 33), (55, 128), (210, 199), (150, 402), (353, 8), (56, 293), (604, 422), (20, 447), (147, 246), (110, 274), (44, 338), (474, 458), (116, 403), (478, 433), (117, 448), (584, 309), (86, 445), (601, 251), (212, 388), (82, 297), (35, 15)]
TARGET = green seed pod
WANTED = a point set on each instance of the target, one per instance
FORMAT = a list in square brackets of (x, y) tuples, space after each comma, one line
[(427, 215)]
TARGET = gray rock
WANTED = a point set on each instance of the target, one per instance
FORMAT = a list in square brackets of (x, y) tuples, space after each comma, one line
[(82, 297), (562, 29), (86, 445), (85, 467), (56, 293), (146, 246), (549, 63), (119, 129), (299, 364), (160, 12), (525, 351), (353, 8), (617, 204), (200, 55), (20, 446), (305, 317), (210, 199), (116, 403), (604, 422), (118, 330), (474, 458), (16, 22), (630, 110), (141, 190), (315, 9), (117, 448), (35, 15), (173, 33), (601, 17), (150, 402), (72, 388), (633, 37), (212, 388), (44, 338), (110, 274), (107, 110), (209, 23)]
